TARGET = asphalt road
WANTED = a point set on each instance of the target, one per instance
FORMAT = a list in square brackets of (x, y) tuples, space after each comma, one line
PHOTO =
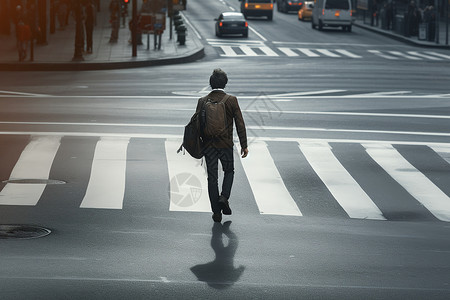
[(353, 150)]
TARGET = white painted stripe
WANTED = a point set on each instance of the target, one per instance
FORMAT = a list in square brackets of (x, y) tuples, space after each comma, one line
[(438, 54), (188, 180), (257, 138), (268, 51), (106, 187), (443, 151), (190, 25), (348, 53), (329, 44), (414, 182), (34, 163), (228, 51), (195, 95), (376, 52), (308, 52), (306, 93), (423, 55), (383, 93), (339, 182), (24, 94), (248, 51), (257, 33), (401, 54), (287, 51), (327, 53), (268, 188), (222, 41)]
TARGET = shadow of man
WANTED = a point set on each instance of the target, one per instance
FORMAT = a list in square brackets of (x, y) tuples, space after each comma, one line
[(220, 273)]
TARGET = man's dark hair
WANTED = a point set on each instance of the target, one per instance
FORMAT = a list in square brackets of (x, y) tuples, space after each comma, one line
[(218, 79)]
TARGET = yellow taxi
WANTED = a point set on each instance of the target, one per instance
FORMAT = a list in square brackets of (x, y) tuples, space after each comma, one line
[(305, 11)]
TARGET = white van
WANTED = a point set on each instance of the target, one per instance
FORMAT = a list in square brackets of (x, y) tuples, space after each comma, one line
[(333, 13)]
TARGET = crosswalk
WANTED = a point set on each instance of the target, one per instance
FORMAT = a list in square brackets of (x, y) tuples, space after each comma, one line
[(262, 49), (266, 177)]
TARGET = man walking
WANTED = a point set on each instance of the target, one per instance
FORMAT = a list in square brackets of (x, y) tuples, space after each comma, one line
[(220, 108)]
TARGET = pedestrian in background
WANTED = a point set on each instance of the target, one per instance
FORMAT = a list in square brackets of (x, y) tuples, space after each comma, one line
[(89, 24), (220, 146), (23, 38), (429, 17), (114, 9), (62, 11)]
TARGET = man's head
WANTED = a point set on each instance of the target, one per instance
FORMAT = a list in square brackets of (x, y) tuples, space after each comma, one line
[(218, 79)]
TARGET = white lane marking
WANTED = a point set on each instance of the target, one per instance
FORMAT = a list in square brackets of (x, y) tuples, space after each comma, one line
[(438, 54), (188, 180), (376, 52), (34, 163), (327, 53), (330, 44), (308, 52), (347, 192), (190, 25), (401, 54), (228, 51), (264, 128), (255, 127), (347, 53), (23, 94), (306, 93), (268, 188), (234, 42), (248, 51), (268, 51), (195, 95), (106, 187), (288, 51), (257, 33), (256, 138), (412, 180), (384, 93), (415, 53), (443, 151)]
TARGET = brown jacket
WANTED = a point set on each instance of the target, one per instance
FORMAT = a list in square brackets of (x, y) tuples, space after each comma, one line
[(233, 112)]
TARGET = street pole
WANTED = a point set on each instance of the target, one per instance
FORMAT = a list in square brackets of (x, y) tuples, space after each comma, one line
[(78, 54), (134, 29)]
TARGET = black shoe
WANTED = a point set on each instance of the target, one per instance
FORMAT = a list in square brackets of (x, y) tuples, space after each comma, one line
[(225, 205), (217, 217)]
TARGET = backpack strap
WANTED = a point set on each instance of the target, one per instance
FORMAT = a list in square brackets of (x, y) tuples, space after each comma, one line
[(225, 98)]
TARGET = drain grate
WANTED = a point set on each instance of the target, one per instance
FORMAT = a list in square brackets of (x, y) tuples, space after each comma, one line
[(22, 231), (35, 181)]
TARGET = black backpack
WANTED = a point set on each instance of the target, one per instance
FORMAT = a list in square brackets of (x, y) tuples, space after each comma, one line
[(192, 139)]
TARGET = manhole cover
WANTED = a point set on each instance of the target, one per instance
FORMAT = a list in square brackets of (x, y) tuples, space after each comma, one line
[(22, 231), (35, 181)]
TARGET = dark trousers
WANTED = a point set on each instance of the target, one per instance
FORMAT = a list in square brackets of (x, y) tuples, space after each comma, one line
[(212, 157)]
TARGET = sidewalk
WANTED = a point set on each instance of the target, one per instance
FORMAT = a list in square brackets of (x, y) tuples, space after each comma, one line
[(414, 40), (58, 53)]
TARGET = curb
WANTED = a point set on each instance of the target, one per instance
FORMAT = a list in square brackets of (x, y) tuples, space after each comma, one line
[(400, 38), (91, 66)]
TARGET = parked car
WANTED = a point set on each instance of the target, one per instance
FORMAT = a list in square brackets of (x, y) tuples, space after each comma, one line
[(289, 5), (333, 13), (305, 12), (231, 23)]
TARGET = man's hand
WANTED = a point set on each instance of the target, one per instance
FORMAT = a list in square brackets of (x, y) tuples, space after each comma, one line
[(244, 152)]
